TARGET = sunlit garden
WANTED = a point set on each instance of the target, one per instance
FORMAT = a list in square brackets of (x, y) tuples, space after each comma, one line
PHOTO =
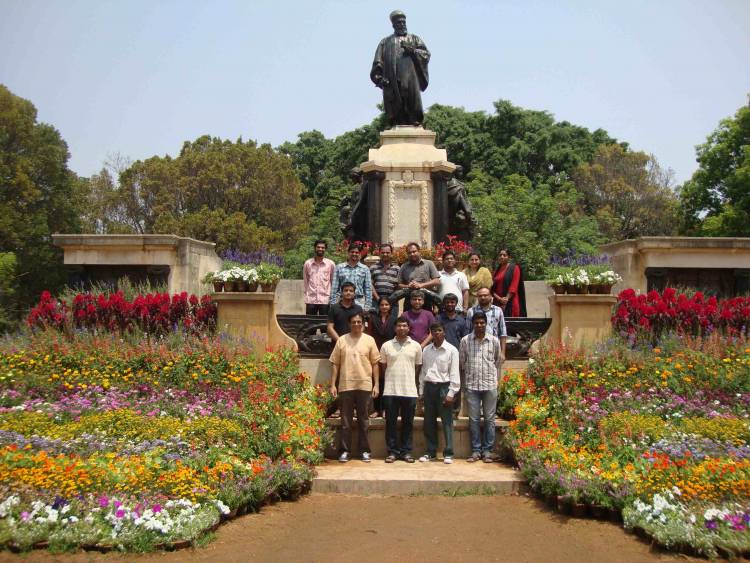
[(651, 428), (130, 425)]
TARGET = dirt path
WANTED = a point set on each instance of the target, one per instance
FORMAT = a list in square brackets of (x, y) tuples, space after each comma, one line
[(423, 528)]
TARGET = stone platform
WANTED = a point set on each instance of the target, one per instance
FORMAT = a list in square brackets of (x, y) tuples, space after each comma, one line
[(376, 437), (401, 478)]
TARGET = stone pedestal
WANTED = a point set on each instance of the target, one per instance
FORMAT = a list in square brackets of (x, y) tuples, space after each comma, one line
[(580, 320), (251, 316), (405, 184)]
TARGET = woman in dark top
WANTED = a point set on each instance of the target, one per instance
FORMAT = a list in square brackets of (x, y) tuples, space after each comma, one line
[(382, 327), (508, 290)]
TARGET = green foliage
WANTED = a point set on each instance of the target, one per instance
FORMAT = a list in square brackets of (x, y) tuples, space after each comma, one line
[(39, 196), (716, 199), (628, 193), (529, 219), (8, 284), (215, 190)]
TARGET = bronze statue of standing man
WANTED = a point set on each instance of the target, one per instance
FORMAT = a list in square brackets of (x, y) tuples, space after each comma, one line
[(400, 69)]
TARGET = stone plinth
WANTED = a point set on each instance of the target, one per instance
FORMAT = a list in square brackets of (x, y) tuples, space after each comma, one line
[(251, 316), (186, 259), (650, 258), (580, 320), (411, 175)]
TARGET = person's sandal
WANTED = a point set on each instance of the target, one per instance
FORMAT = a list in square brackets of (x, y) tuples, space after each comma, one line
[(474, 457), (390, 459), (409, 459)]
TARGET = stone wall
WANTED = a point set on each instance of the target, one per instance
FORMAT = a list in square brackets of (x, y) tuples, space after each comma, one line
[(188, 259), (636, 259)]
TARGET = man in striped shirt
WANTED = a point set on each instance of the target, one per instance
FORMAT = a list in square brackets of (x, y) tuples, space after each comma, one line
[(384, 276), (481, 356), (494, 314)]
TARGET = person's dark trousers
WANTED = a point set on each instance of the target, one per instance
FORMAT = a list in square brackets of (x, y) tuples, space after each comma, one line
[(434, 394), (348, 402), (316, 309), (399, 445)]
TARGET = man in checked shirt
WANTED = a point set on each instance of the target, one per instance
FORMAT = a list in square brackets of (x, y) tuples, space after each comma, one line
[(481, 356)]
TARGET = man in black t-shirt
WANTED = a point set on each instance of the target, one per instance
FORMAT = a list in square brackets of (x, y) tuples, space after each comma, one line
[(339, 313)]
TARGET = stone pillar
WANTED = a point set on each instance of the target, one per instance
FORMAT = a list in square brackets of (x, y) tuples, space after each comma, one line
[(251, 316), (407, 160), (440, 211), (372, 182), (580, 320)]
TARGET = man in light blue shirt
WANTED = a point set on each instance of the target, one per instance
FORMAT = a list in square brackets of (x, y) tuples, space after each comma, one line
[(353, 271)]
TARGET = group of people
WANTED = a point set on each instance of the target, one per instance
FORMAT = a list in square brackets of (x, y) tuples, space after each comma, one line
[(449, 339)]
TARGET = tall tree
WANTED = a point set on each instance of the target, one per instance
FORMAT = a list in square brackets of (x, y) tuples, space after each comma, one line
[(237, 194), (629, 194), (716, 199), (39, 195)]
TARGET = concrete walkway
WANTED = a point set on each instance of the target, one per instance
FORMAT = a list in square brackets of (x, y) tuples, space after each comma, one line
[(401, 478)]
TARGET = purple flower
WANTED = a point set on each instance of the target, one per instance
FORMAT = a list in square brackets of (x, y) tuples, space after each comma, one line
[(25, 516), (103, 502), (712, 525), (156, 508), (118, 504), (120, 513)]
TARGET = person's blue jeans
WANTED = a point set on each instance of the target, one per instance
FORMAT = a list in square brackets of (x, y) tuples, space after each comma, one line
[(397, 445), (482, 403)]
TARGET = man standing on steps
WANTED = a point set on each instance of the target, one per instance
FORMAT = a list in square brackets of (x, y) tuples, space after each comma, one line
[(494, 314), (439, 381), (453, 281), (402, 357), (481, 356), (354, 379), (357, 273), (339, 313), (455, 328), (417, 273), (384, 275), (317, 275)]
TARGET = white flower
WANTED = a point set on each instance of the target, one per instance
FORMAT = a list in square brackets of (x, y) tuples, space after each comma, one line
[(7, 504), (223, 508)]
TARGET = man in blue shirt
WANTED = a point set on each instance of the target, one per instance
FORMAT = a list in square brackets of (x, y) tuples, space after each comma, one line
[(353, 271)]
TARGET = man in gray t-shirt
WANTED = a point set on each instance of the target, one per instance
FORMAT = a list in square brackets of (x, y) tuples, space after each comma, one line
[(417, 273)]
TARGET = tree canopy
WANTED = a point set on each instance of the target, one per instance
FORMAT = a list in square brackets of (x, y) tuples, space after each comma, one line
[(716, 199), (237, 194), (39, 196)]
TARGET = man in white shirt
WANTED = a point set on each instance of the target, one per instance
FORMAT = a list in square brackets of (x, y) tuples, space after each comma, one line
[(439, 381), (453, 281), (402, 357)]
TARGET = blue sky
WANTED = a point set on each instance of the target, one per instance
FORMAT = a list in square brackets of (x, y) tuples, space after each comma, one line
[(140, 77)]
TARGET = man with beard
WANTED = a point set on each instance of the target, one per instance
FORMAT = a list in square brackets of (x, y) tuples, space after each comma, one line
[(400, 69), (317, 275)]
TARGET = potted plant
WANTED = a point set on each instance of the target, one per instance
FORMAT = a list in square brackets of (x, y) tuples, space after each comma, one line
[(251, 277), (578, 282), (269, 276), (556, 279), (211, 278), (603, 282)]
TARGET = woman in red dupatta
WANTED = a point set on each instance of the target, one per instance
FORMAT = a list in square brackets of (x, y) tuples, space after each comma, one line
[(508, 291)]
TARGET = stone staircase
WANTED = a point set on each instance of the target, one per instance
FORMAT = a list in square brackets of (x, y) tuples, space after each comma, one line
[(401, 478)]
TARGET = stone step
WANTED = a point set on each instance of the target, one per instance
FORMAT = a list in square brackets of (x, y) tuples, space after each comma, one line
[(433, 478), (376, 437)]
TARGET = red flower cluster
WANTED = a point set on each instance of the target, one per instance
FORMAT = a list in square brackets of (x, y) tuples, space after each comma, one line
[(669, 312), (155, 313)]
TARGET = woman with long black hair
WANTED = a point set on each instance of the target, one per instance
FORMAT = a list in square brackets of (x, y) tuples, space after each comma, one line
[(508, 291)]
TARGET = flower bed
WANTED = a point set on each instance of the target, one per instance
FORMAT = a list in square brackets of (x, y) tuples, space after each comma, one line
[(153, 314), (661, 434), (654, 314), (135, 446)]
